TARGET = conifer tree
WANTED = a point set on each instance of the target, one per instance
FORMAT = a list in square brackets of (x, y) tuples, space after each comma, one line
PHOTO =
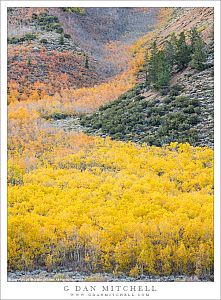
[(199, 55), (86, 62), (61, 41), (198, 50), (194, 36), (182, 56), (29, 62), (152, 66), (146, 69), (159, 68), (163, 71), (169, 54)]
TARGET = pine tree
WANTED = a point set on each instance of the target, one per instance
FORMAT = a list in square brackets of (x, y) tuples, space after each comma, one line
[(159, 68), (199, 55), (173, 40), (182, 55), (198, 50), (152, 66), (146, 66), (61, 41), (29, 62), (170, 54), (163, 71), (86, 62), (194, 36)]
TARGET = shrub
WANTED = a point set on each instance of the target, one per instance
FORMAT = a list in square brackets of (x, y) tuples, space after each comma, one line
[(189, 109), (175, 90), (55, 26), (56, 116), (44, 41), (78, 10), (181, 101), (34, 16), (67, 36), (86, 62), (13, 40), (15, 175), (26, 37), (194, 102), (193, 119), (167, 100), (134, 272), (61, 40), (46, 19), (59, 30)]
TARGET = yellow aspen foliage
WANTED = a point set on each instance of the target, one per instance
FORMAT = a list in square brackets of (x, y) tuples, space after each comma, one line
[(110, 206)]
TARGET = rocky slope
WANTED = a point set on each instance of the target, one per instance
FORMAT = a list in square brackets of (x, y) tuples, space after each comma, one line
[(200, 86), (57, 49), (41, 53), (184, 115), (99, 27)]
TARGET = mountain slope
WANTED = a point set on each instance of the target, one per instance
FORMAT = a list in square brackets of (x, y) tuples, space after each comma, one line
[(184, 115), (56, 49), (99, 27), (157, 121)]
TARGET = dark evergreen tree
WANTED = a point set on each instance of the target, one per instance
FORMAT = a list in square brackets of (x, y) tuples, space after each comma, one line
[(163, 71), (160, 64), (170, 54), (199, 55), (29, 62), (198, 50), (159, 68), (194, 37), (152, 63), (86, 62), (61, 41), (146, 70), (182, 55), (173, 40)]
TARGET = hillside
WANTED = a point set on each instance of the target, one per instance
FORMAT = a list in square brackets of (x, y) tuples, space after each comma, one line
[(42, 55), (53, 49), (184, 114), (90, 31)]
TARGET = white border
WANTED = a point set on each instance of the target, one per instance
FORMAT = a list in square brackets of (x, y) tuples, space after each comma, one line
[(52, 290), (112, 3)]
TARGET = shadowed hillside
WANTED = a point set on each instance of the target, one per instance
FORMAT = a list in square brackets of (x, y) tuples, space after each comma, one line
[(55, 49), (98, 27)]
